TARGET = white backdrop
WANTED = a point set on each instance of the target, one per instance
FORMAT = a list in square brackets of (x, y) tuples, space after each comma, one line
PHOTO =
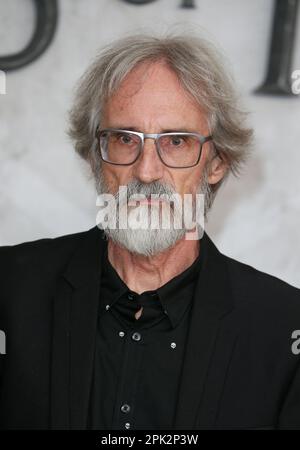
[(45, 191)]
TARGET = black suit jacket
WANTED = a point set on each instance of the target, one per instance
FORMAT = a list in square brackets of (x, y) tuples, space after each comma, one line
[(239, 369)]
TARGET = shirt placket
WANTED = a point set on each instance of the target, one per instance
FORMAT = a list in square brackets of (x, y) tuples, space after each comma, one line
[(134, 344)]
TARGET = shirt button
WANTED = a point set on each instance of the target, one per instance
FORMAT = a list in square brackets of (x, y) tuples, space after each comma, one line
[(136, 336), (121, 333), (125, 408), (130, 297), (107, 307), (127, 425)]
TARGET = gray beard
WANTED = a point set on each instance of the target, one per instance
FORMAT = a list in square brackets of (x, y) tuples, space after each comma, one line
[(149, 242)]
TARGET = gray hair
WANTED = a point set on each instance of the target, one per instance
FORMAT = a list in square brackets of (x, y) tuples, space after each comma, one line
[(199, 66)]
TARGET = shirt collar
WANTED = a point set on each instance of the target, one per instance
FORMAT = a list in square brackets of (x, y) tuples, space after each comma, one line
[(177, 294), (174, 296)]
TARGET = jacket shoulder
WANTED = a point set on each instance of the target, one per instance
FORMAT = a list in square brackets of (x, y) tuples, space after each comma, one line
[(40, 251), (256, 286)]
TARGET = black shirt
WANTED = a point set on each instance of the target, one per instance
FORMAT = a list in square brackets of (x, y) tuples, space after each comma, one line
[(138, 362)]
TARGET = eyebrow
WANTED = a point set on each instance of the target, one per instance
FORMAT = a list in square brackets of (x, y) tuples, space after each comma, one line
[(169, 130)]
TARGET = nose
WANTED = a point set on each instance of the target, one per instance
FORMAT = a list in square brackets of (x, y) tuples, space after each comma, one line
[(148, 167)]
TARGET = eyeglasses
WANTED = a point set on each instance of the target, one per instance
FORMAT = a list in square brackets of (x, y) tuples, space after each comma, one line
[(176, 149)]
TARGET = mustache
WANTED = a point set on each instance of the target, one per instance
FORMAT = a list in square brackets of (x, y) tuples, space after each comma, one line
[(157, 188)]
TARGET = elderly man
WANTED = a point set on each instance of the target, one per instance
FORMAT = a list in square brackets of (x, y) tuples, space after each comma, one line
[(143, 327)]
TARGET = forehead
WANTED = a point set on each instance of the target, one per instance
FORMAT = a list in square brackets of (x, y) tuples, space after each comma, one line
[(153, 92)]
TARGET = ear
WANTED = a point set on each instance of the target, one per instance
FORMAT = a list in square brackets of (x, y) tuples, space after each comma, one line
[(218, 168)]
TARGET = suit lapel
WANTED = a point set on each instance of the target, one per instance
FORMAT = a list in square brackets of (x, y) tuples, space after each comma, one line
[(74, 333), (207, 345), (59, 389)]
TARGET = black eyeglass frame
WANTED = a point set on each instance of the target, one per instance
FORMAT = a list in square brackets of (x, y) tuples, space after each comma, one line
[(155, 136)]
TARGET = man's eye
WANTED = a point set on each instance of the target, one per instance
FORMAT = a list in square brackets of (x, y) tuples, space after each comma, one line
[(124, 139), (177, 141)]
